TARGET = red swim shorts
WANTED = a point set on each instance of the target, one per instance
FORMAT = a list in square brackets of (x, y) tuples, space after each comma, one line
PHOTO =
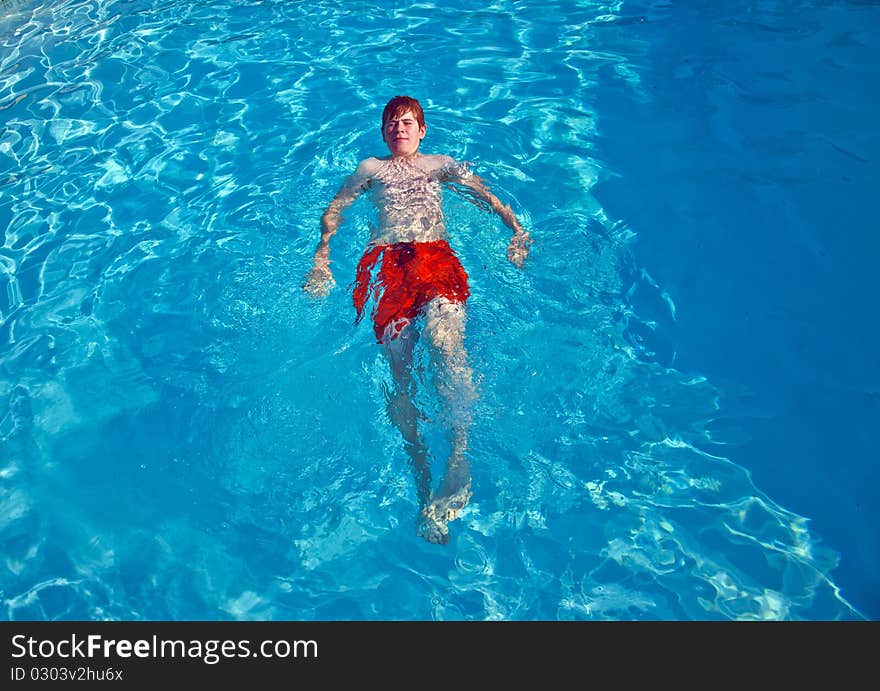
[(410, 275)]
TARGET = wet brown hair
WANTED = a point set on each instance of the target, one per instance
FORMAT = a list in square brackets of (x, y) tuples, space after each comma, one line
[(399, 105)]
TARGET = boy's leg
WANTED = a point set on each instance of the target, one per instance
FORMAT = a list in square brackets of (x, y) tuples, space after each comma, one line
[(403, 412), (445, 327)]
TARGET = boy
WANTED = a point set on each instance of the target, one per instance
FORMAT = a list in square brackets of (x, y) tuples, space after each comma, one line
[(411, 272)]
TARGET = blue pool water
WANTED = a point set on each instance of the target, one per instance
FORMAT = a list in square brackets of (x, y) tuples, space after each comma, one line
[(677, 395)]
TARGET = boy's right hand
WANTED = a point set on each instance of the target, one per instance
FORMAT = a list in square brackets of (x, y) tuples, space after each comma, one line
[(320, 280), (518, 249)]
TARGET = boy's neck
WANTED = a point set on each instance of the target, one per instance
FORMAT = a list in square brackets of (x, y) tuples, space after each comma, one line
[(406, 157)]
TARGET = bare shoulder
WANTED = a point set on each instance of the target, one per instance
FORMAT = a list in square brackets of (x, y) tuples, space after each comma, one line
[(368, 167), (446, 168), (362, 177)]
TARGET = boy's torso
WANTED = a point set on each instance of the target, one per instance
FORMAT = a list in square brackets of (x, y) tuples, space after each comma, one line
[(406, 194)]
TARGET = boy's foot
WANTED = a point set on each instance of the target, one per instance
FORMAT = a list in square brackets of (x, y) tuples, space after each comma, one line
[(434, 517)]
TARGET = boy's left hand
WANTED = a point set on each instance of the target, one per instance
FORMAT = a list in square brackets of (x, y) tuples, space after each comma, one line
[(518, 249)]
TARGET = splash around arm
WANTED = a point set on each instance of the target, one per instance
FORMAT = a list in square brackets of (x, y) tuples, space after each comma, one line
[(319, 281), (521, 240)]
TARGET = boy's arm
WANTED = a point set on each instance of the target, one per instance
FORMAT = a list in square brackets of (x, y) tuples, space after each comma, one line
[(520, 241), (319, 280)]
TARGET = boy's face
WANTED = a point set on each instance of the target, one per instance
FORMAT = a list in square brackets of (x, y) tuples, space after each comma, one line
[(402, 134)]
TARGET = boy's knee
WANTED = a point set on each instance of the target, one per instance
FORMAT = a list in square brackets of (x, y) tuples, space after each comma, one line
[(445, 321)]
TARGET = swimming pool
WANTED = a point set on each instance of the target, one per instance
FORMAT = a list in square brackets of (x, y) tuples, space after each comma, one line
[(675, 394)]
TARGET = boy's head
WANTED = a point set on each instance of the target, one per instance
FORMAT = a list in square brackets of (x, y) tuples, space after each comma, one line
[(398, 105), (403, 125)]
